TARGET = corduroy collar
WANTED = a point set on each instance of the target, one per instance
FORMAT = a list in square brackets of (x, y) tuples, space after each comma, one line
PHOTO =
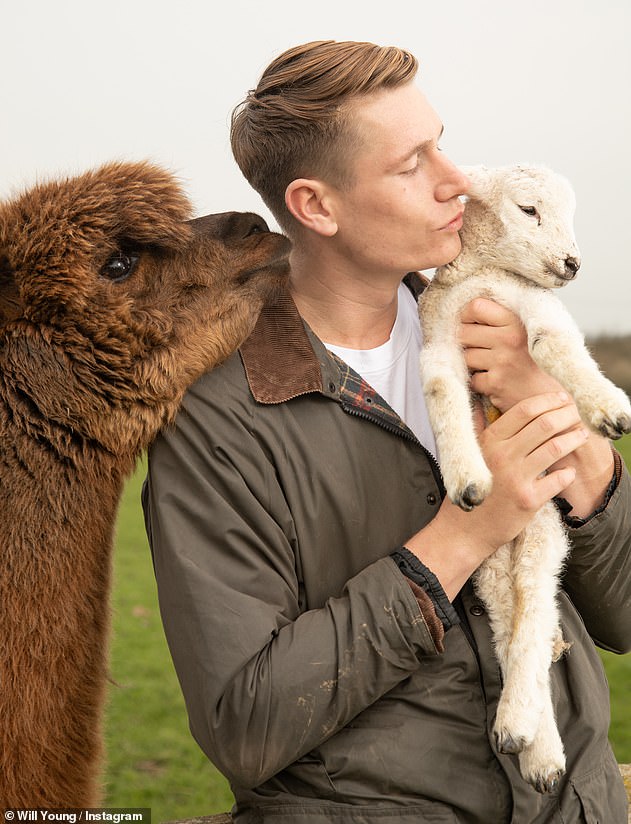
[(284, 359)]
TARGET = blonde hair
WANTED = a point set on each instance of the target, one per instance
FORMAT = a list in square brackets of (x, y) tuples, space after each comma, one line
[(295, 123)]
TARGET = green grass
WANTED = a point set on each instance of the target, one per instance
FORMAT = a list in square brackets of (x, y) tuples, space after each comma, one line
[(618, 668), (152, 758)]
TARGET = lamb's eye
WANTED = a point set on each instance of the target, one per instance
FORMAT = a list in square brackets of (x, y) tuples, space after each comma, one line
[(119, 266), (530, 211)]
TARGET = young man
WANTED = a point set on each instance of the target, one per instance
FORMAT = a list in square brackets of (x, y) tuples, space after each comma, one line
[(314, 585)]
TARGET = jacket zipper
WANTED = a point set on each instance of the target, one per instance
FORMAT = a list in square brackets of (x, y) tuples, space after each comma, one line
[(401, 433)]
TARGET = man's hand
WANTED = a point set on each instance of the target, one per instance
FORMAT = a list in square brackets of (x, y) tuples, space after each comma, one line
[(496, 353), (523, 449)]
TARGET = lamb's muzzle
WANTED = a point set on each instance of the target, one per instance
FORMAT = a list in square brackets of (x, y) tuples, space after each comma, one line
[(572, 265)]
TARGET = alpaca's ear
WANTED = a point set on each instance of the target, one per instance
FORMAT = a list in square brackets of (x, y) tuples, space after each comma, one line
[(481, 181), (10, 302)]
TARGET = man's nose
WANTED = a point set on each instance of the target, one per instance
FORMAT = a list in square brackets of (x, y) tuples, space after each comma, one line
[(453, 183)]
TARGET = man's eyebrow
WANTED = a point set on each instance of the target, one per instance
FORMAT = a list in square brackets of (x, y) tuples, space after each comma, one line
[(420, 147)]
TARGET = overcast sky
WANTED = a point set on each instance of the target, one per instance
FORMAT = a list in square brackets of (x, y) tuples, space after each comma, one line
[(544, 81)]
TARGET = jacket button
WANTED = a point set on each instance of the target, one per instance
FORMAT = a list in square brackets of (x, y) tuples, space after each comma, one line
[(431, 499), (477, 610), (332, 387)]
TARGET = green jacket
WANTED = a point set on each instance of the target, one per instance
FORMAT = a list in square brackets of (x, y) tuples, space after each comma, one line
[(323, 683)]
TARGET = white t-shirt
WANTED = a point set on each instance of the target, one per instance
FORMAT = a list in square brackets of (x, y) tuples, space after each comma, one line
[(392, 369)]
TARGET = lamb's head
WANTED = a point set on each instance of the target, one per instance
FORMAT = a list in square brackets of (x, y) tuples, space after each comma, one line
[(112, 301), (520, 218)]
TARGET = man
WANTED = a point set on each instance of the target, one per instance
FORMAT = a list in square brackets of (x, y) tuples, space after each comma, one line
[(314, 585)]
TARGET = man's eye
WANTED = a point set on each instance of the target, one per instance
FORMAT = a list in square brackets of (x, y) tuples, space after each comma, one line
[(119, 266), (413, 169)]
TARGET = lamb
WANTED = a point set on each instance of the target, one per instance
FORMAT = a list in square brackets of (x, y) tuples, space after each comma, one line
[(111, 303), (517, 244)]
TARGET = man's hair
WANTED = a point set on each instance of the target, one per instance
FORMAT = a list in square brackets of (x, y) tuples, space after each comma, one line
[(295, 123)]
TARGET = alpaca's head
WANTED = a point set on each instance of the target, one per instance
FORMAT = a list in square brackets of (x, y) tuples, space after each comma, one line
[(112, 301), (520, 218)]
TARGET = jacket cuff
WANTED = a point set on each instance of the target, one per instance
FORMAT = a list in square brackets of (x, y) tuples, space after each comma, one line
[(435, 606), (565, 507)]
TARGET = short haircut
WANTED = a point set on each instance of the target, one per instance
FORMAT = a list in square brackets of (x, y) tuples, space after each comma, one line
[(294, 123)]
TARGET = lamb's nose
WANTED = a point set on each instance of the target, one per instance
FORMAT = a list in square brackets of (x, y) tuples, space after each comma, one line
[(572, 265)]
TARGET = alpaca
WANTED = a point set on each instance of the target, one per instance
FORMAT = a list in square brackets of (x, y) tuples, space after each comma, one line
[(112, 301), (517, 244)]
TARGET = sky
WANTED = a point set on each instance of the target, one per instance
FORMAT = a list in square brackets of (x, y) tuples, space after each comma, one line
[(544, 81)]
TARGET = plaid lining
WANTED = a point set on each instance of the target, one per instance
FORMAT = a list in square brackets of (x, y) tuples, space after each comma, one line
[(360, 397)]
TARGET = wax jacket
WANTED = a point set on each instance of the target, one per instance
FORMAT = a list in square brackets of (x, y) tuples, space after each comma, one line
[(323, 682)]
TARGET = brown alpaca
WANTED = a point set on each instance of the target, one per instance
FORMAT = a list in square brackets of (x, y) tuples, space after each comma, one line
[(111, 304)]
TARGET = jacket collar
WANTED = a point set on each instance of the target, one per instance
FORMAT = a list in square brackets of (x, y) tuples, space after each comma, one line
[(284, 359)]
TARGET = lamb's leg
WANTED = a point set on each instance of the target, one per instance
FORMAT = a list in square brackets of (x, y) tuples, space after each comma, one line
[(494, 585), (542, 762), (601, 404), (445, 382), (526, 642)]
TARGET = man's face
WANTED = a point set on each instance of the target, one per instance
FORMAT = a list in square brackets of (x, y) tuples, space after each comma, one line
[(402, 212)]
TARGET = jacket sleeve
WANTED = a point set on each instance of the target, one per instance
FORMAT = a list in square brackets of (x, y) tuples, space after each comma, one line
[(264, 680), (598, 574)]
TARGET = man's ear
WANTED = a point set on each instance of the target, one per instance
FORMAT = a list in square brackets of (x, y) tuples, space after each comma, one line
[(309, 202)]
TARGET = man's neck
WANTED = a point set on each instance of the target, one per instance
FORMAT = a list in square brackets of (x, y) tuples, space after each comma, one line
[(344, 307)]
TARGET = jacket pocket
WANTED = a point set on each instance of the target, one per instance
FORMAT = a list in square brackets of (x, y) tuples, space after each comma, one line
[(598, 797)]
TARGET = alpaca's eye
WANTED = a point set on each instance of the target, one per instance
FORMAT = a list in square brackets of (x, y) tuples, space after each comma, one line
[(119, 266), (530, 211)]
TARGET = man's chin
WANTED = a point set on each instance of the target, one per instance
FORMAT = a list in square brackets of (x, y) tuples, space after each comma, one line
[(444, 256)]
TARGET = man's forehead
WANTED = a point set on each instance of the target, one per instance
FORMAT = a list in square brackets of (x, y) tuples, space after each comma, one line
[(397, 122)]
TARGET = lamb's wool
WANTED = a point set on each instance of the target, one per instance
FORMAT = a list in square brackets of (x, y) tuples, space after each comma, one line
[(517, 244)]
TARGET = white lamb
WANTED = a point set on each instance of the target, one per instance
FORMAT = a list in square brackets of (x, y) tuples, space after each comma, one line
[(517, 241)]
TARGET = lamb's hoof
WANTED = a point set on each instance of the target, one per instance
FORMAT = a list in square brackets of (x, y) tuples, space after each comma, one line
[(508, 745), (471, 496), (615, 428), (546, 783)]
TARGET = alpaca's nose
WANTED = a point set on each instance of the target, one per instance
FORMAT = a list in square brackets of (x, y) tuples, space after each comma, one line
[(230, 225), (572, 265)]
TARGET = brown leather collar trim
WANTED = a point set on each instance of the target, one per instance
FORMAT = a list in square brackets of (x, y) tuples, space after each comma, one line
[(279, 358)]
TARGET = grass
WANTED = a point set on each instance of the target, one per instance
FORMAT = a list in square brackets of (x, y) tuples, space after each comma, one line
[(618, 668), (152, 758)]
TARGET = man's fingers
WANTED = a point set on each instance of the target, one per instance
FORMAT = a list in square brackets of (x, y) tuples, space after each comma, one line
[(529, 410), (477, 359), (553, 484), (552, 450), (538, 431), (487, 312)]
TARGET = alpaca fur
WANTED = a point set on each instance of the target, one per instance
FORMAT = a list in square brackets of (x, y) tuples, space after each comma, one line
[(111, 303), (517, 244)]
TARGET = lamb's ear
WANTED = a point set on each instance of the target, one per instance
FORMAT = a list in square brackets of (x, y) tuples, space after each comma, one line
[(481, 181), (10, 302)]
